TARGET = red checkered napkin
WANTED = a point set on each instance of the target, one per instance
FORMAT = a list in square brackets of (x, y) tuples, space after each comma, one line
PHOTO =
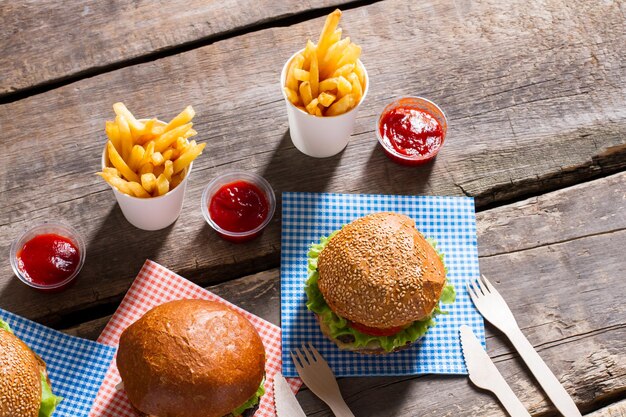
[(156, 285)]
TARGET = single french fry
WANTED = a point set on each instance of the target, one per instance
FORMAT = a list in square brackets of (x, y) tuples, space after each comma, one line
[(296, 63), (344, 71), (330, 25), (147, 168), (357, 90), (181, 143), (148, 126), (116, 182), (292, 96), (300, 74), (305, 93), (312, 107), (157, 159), (138, 190), (135, 126), (136, 156), (332, 57), (329, 84), (168, 169), (334, 38), (360, 72), (148, 182), (350, 55), (167, 138), (314, 75), (169, 154), (147, 155), (341, 106), (185, 159), (189, 133), (113, 133), (118, 162), (162, 185), (111, 171), (344, 86), (126, 139), (182, 118), (325, 99)]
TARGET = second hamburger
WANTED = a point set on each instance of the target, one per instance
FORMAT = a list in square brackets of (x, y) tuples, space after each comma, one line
[(376, 284)]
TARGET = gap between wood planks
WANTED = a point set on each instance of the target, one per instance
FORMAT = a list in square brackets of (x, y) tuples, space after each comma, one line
[(178, 49)]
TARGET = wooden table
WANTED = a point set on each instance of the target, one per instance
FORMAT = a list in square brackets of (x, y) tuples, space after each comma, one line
[(535, 94)]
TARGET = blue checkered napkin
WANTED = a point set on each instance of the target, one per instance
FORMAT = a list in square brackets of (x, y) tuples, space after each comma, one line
[(449, 220), (76, 366)]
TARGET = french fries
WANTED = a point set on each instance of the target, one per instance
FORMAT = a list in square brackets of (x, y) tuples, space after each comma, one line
[(148, 158), (319, 78)]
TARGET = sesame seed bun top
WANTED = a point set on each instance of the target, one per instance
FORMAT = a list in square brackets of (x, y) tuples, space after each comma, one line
[(190, 358), (381, 272), (20, 378)]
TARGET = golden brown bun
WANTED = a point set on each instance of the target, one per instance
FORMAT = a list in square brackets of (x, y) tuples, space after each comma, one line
[(373, 348), (20, 381), (190, 358), (381, 272)]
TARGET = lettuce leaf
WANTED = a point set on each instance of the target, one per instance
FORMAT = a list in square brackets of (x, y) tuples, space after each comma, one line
[(339, 326), (5, 326), (252, 401), (49, 401)]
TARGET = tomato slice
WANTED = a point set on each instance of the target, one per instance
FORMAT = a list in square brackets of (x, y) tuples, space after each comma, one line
[(374, 331)]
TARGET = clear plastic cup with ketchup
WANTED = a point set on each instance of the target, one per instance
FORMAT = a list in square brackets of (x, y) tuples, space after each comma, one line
[(411, 130), (48, 256), (238, 205)]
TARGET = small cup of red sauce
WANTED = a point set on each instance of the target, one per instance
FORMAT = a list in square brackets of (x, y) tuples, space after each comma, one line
[(238, 205), (411, 130), (48, 257)]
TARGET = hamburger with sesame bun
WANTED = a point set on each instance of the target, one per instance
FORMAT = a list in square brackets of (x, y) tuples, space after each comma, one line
[(192, 358), (24, 385), (376, 284)]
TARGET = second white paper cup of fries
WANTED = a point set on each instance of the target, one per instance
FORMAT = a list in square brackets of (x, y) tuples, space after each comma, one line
[(320, 137), (152, 213)]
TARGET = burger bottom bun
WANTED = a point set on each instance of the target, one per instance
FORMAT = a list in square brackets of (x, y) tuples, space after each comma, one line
[(371, 349)]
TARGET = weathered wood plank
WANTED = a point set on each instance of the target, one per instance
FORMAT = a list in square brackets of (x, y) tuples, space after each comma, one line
[(89, 35), (566, 296), (541, 112), (613, 410)]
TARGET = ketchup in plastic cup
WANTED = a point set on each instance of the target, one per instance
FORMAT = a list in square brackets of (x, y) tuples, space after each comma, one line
[(48, 257), (238, 205), (411, 130)]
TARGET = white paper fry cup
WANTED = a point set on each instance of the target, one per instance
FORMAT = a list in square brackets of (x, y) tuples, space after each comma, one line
[(152, 213), (320, 137)]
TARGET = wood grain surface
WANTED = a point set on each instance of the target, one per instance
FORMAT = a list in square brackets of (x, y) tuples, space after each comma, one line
[(533, 92), (90, 36), (565, 293)]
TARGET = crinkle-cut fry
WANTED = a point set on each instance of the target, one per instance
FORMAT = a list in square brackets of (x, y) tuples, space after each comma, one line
[(357, 90), (305, 93), (162, 185), (341, 106), (166, 139), (157, 159), (314, 75), (330, 25), (136, 156), (350, 55), (312, 108), (291, 81), (187, 158), (126, 138), (148, 182), (135, 125), (116, 182), (113, 133), (118, 162), (326, 99), (292, 96), (182, 118), (344, 71), (138, 190), (301, 75)]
